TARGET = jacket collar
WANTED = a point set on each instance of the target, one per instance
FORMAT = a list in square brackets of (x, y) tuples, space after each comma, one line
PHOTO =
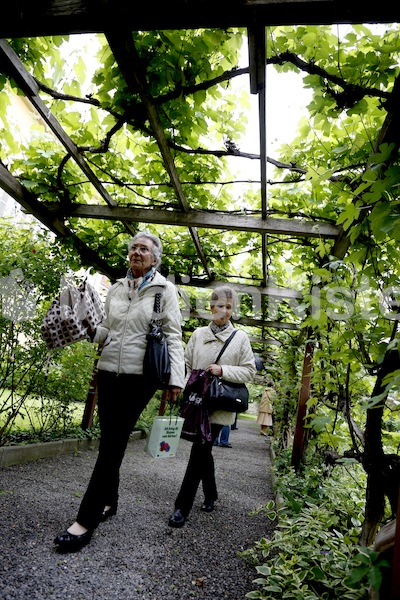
[(158, 280), (210, 336)]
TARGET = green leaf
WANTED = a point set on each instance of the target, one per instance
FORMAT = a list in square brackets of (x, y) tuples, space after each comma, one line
[(375, 577), (263, 570), (350, 214), (80, 70)]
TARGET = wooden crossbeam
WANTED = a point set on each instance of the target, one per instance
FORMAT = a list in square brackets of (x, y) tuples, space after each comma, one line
[(61, 17), (32, 205), (126, 55), (251, 322), (28, 85), (208, 220), (241, 288)]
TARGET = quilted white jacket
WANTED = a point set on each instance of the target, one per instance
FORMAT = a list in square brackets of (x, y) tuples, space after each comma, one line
[(237, 361), (124, 329)]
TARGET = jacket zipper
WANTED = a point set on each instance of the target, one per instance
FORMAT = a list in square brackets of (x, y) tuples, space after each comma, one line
[(123, 334)]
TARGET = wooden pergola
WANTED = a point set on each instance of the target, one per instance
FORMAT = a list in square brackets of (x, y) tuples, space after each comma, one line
[(117, 19)]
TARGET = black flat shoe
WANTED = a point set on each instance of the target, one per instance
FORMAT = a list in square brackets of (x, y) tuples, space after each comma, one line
[(68, 542), (107, 513), (177, 519), (208, 505)]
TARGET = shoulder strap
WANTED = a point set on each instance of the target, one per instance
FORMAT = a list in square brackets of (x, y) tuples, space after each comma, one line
[(224, 346), (156, 309), (157, 303)]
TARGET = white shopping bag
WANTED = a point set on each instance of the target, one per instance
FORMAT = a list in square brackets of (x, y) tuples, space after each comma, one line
[(164, 437)]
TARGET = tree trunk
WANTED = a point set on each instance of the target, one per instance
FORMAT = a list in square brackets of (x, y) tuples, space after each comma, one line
[(374, 459)]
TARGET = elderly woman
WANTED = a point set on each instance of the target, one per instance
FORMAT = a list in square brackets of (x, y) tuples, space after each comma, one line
[(236, 365), (123, 391)]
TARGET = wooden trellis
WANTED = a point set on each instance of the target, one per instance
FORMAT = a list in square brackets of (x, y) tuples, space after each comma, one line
[(117, 19)]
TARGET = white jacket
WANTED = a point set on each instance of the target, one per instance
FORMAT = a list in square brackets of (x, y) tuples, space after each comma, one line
[(237, 361), (124, 329)]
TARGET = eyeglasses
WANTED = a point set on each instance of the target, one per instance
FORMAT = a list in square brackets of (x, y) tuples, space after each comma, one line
[(141, 249)]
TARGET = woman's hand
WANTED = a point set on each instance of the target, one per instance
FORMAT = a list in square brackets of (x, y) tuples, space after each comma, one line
[(91, 332), (215, 369), (173, 393)]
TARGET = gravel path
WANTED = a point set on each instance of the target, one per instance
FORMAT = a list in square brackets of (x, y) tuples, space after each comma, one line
[(135, 555)]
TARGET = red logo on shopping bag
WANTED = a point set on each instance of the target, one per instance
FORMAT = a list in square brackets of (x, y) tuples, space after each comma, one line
[(164, 447)]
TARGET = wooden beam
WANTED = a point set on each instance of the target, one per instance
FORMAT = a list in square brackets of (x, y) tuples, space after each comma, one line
[(61, 17), (32, 206), (395, 567), (30, 203), (263, 169), (257, 57), (16, 69), (130, 65), (55, 224), (249, 321), (127, 57), (266, 324), (207, 220), (298, 441), (265, 341), (257, 63), (268, 290)]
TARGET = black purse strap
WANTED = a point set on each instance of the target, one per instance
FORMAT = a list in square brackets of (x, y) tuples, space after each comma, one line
[(225, 346), (156, 309), (157, 303)]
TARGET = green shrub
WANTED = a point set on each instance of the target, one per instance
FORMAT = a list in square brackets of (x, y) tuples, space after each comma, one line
[(314, 552)]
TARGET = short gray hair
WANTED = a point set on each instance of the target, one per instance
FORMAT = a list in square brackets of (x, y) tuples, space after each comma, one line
[(221, 292), (157, 245)]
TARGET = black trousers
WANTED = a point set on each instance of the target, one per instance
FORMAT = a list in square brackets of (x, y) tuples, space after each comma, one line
[(121, 399), (200, 468)]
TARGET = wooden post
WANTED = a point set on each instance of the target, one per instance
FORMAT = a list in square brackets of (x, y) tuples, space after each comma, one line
[(298, 441), (395, 585), (91, 398)]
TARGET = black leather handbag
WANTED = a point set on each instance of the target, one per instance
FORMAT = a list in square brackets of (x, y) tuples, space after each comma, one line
[(156, 363), (227, 395)]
